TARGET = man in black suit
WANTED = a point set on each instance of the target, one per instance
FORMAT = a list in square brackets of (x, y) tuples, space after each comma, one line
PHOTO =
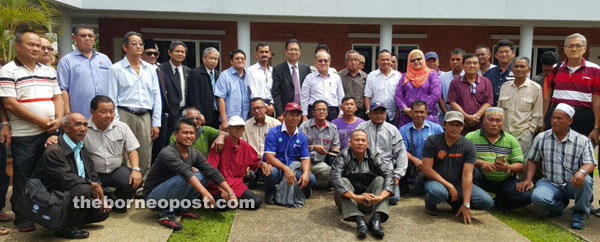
[(176, 76), (201, 85), (287, 87), (66, 166)]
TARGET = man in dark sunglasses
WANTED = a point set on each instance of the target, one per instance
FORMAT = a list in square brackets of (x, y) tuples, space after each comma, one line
[(151, 52)]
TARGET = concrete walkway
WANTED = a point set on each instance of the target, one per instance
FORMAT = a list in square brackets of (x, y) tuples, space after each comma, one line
[(135, 225), (320, 220)]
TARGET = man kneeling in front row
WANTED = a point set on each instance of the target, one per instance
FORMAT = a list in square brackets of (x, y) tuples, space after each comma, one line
[(66, 166), (181, 172), (567, 159), (362, 182)]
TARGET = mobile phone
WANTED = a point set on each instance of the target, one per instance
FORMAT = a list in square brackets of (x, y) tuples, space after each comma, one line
[(500, 159)]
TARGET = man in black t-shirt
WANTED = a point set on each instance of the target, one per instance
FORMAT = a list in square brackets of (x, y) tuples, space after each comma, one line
[(448, 161)]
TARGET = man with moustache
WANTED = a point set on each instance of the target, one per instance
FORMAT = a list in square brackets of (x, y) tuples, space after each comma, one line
[(483, 53), (233, 96), (381, 86), (47, 52), (456, 65), (260, 78)]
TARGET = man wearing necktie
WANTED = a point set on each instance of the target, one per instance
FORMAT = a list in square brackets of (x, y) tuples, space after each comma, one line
[(288, 78), (201, 87)]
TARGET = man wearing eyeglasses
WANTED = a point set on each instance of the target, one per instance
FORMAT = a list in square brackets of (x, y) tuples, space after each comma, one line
[(133, 86), (47, 52), (83, 73), (470, 94), (576, 82), (321, 85)]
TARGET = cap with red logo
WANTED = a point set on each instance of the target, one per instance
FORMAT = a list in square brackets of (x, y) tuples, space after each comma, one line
[(292, 106)]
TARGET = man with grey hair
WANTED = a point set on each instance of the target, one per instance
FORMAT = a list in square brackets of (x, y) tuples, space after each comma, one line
[(201, 87), (575, 81), (353, 81), (134, 87), (322, 85), (206, 137), (522, 102)]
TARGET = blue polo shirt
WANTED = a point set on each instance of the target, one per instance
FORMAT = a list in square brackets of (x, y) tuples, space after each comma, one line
[(497, 77), (287, 148), (419, 136)]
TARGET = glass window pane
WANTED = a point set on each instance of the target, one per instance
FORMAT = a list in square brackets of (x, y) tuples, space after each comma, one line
[(367, 52)]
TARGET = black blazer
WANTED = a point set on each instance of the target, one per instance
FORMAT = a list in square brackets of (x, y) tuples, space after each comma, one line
[(173, 86), (200, 94), (59, 169), (283, 85)]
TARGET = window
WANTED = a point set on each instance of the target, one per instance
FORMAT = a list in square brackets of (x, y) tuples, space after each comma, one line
[(195, 48), (369, 51)]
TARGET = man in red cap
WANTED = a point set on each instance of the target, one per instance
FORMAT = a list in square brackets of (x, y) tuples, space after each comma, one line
[(285, 147)]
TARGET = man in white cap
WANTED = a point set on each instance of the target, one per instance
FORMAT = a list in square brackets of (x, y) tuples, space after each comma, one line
[(567, 159), (236, 157), (448, 161), (499, 159)]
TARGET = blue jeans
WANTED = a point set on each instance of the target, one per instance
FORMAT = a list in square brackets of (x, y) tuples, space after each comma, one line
[(178, 188), (393, 200), (436, 193), (554, 199), (276, 175)]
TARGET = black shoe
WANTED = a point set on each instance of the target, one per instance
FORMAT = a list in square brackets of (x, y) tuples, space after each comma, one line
[(361, 227), (431, 210), (119, 210), (72, 233), (375, 228), (269, 198)]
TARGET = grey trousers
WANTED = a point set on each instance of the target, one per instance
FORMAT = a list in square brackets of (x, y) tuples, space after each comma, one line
[(141, 126), (350, 208), (322, 173)]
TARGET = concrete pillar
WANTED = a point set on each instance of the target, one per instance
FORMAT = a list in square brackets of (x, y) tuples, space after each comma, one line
[(64, 39), (385, 36), (243, 32), (526, 41)]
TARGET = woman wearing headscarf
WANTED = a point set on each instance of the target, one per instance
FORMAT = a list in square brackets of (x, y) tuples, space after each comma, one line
[(418, 83)]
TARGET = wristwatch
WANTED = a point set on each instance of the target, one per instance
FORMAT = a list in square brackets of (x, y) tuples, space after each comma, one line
[(583, 171), (597, 127), (367, 112), (467, 205), (137, 168)]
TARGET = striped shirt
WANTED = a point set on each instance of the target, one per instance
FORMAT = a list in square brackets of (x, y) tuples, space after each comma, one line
[(506, 145), (575, 88), (561, 159), (33, 89)]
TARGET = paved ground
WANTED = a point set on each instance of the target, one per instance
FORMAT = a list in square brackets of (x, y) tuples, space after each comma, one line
[(591, 232), (320, 219), (135, 225)]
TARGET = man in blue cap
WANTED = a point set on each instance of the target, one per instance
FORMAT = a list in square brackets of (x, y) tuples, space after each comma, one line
[(433, 62)]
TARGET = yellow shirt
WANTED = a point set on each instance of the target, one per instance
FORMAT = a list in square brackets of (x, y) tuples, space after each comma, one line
[(522, 107), (255, 135)]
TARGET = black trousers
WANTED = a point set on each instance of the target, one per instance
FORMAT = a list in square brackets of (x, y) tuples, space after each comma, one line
[(247, 195), (26, 153), (76, 217), (361, 113), (119, 179), (4, 178), (162, 141), (332, 113)]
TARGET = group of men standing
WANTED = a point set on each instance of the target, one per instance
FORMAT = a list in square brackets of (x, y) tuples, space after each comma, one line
[(167, 131)]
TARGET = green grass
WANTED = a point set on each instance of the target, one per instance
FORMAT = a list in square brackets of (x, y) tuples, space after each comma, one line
[(211, 226), (533, 226)]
